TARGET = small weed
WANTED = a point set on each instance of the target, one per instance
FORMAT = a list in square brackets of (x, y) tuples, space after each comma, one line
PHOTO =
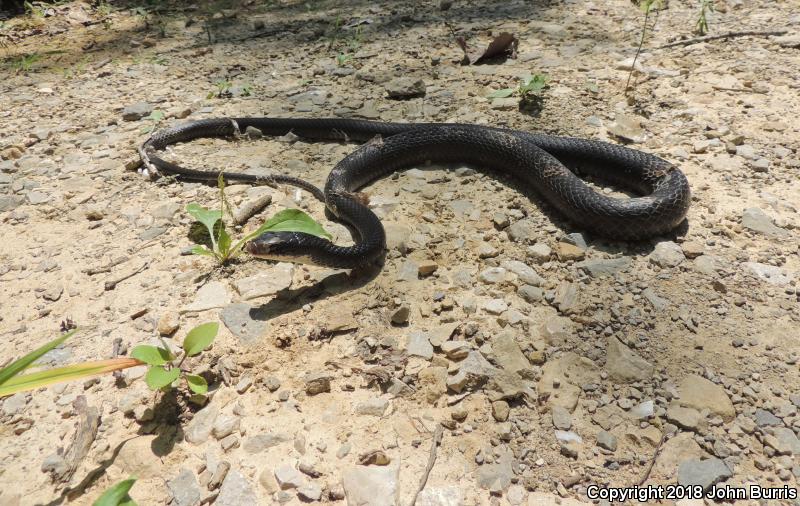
[(529, 90), (25, 63), (223, 249), (223, 90), (701, 26), (342, 59), (155, 117), (164, 371), (34, 11)]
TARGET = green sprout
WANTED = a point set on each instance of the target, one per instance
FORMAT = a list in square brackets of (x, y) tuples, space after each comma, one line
[(224, 249), (163, 370), (529, 89)]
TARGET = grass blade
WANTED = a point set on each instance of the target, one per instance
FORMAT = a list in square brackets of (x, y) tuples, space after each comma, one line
[(20, 365), (117, 494), (59, 374)]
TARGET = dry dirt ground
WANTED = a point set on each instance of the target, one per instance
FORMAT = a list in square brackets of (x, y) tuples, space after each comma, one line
[(552, 360)]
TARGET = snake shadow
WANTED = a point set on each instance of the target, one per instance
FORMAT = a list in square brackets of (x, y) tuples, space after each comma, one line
[(333, 284)]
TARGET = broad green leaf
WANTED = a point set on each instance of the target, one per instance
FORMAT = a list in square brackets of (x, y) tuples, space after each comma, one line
[(20, 365), (117, 495), (201, 250), (207, 217), (157, 377), (504, 93), (157, 115), (292, 220), (200, 338), (35, 380), (224, 242), (197, 384), (151, 355)]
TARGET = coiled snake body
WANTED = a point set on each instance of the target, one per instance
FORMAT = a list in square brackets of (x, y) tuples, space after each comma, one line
[(538, 160)]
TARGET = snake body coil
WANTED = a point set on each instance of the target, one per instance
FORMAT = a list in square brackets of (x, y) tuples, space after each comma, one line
[(534, 159)]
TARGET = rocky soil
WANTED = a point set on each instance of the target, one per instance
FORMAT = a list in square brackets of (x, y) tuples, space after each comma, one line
[(550, 360)]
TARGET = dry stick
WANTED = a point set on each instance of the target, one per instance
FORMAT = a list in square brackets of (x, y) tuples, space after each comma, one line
[(111, 284), (437, 439), (250, 208), (653, 460), (728, 35), (107, 267)]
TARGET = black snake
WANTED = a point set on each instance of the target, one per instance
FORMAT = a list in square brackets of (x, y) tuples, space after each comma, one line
[(535, 159)]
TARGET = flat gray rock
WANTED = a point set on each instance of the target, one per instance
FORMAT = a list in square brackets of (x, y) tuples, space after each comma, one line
[(667, 254), (702, 472), (236, 490), (598, 267), (757, 220), (184, 489), (245, 322), (624, 365), (371, 486)]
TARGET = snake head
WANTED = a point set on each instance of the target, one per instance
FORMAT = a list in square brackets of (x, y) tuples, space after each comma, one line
[(281, 246)]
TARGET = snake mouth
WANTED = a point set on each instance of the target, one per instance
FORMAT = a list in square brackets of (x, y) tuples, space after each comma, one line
[(270, 245)]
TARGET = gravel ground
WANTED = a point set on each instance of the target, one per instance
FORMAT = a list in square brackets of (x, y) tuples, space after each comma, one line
[(551, 360)]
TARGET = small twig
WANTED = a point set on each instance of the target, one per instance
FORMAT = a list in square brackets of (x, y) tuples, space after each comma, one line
[(107, 267), (638, 49), (111, 284), (250, 208), (729, 35), (739, 90), (437, 439), (652, 460)]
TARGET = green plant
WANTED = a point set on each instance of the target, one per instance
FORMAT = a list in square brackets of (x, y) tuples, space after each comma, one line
[(224, 249), (163, 370), (342, 59), (647, 7), (701, 26), (155, 117), (223, 89), (117, 495), (25, 62), (529, 89), (12, 380), (34, 10)]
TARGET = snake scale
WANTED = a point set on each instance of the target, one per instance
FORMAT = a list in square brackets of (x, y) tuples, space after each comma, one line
[(544, 162)]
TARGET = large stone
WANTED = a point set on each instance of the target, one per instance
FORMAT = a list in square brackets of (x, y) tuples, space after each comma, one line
[(418, 345), (405, 87), (473, 372), (136, 111), (269, 282), (245, 321), (371, 486), (507, 354), (200, 427), (699, 393), (525, 230), (667, 254), (235, 491), (210, 296), (288, 477), (757, 220), (686, 418), (260, 442), (184, 489), (137, 458), (598, 267), (702, 472), (770, 273), (784, 441), (624, 365), (441, 496), (496, 477), (525, 273)]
